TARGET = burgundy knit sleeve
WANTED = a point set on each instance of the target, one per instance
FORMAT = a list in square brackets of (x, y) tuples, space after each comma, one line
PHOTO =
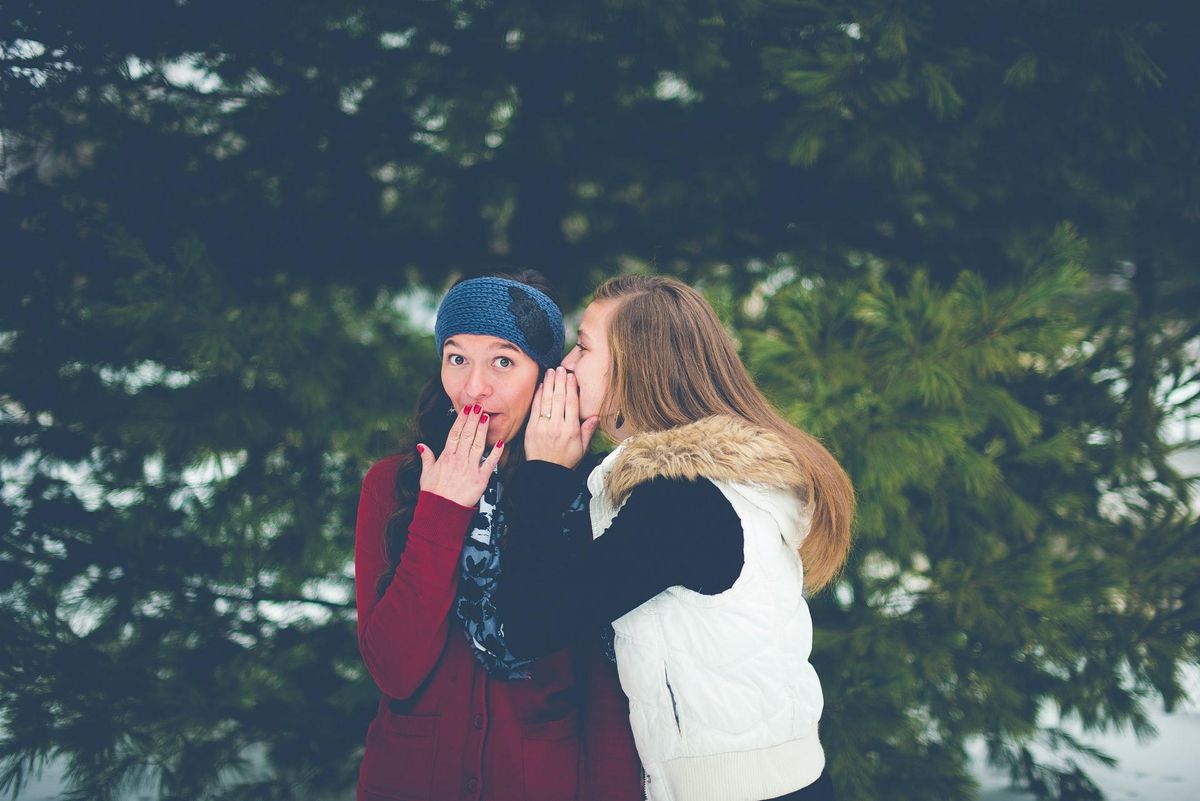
[(401, 634)]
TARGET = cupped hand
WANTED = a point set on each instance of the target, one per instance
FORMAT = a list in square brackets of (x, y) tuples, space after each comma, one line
[(458, 474), (554, 432)]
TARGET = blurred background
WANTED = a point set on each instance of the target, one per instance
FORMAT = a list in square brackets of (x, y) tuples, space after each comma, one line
[(959, 241)]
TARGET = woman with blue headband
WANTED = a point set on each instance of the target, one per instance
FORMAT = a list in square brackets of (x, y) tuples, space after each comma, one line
[(459, 715)]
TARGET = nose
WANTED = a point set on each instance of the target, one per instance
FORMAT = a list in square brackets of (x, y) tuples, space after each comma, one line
[(570, 359), (478, 385)]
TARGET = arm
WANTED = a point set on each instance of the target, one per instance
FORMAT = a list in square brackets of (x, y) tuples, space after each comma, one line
[(401, 634), (670, 532), (563, 494)]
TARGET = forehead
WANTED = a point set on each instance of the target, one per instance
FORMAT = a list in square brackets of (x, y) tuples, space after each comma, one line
[(595, 318), (479, 342)]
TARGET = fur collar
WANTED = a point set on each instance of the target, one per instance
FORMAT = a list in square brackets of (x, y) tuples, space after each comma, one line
[(720, 448)]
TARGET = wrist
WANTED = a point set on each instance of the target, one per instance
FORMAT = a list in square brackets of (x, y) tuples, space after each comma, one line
[(542, 484), (455, 495), (561, 459)]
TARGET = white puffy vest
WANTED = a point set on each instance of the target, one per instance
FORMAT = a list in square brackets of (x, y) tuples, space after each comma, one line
[(722, 699)]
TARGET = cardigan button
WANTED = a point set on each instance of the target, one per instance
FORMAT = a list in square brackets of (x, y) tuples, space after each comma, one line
[(472, 784), (477, 721)]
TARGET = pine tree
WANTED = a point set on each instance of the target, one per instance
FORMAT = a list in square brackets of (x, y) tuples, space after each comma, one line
[(207, 211), (1015, 552), (181, 465)]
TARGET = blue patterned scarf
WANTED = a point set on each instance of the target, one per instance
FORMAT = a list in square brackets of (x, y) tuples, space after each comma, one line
[(479, 567)]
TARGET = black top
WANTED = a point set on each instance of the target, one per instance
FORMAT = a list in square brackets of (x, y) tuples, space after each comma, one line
[(557, 586)]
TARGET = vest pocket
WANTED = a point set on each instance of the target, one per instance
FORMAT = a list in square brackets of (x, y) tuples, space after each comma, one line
[(804, 714), (674, 704), (400, 755), (550, 752)]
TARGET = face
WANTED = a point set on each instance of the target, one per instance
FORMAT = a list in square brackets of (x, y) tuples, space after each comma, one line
[(589, 361), (494, 373)]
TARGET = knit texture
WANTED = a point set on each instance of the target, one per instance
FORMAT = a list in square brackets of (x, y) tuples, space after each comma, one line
[(507, 309)]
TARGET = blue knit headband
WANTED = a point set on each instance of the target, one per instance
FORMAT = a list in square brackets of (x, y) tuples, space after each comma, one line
[(506, 309)]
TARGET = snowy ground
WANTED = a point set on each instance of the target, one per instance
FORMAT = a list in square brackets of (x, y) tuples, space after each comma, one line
[(1166, 768)]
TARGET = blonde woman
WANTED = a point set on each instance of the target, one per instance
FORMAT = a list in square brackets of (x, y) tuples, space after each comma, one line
[(709, 523)]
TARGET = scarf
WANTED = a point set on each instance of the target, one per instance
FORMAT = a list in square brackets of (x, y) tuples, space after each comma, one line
[(479, 568)]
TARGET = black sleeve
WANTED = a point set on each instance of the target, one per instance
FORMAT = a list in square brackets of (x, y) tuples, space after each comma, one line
[(536, 498), (555, 585)]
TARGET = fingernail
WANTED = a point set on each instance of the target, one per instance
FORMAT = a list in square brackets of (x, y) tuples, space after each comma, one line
[(499, 443), (476, 409), (420, 449), (483, 419), (467, 409)]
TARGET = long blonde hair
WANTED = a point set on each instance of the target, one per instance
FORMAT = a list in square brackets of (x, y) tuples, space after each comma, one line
[(672, 363)]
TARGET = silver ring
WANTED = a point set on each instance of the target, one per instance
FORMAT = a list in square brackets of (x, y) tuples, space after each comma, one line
[(547, 416)]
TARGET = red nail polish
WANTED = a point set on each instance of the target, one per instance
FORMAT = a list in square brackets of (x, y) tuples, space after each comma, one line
[(477, 409), (499, 443), (420, 449), (483, 419), (467, 409)]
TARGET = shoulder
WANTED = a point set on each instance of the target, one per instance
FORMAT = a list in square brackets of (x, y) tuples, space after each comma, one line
[(380, 479), (719, 448), (691, 498), (689, 521)]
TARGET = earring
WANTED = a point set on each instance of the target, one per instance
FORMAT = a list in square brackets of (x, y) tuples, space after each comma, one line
[(450, 412)]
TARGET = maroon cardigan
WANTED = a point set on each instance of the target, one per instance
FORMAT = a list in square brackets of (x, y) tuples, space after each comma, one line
[(445, 729)]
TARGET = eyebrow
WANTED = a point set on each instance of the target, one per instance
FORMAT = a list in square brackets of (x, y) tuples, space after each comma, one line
[(582, 334)]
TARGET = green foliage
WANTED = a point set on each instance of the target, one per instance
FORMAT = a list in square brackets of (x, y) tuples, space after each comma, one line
[(995, 574), (180, 487), (207, 212)]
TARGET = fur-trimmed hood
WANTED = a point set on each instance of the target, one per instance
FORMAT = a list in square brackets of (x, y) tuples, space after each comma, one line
[(719, 448)]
